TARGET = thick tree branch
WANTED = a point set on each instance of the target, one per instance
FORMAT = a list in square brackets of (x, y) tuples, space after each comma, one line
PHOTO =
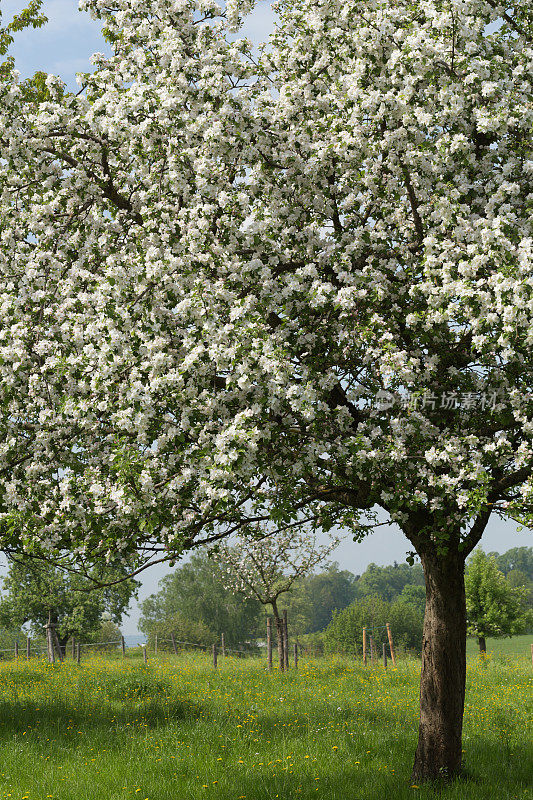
[(419, 227), (476, 531), (107, 186), (519, 476)]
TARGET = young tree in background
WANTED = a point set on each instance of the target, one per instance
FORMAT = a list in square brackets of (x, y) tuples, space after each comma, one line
[(493, 606), (290, 289), (268, 567), (38, 592)]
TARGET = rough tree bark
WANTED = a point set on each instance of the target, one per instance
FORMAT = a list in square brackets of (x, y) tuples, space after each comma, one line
[(279, 634), (442, 684), (63, 644), (482, 645)]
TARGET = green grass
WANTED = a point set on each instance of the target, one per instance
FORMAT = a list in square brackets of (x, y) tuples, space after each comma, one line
[(512, 646), (176, 730)]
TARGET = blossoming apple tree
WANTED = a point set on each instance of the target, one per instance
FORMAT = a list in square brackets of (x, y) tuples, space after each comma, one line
[(264, 566), (239, 290)]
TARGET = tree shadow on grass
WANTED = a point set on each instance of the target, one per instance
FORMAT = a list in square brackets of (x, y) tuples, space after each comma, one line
[(58, 717), (510, 762), (320, 716), (349, 783)]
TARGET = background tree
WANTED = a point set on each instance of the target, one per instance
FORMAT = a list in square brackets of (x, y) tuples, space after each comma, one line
[(517, 558), (9, 634), (39, 592), (415, 595), (185, 631), (493, 606), (108, 633), (193, 604), (313, 598), (517, 566), (268, 567), (289, 289), (389, 581)]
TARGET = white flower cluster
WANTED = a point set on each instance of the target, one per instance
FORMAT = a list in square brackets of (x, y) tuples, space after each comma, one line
[(209, 263), (267, 564)]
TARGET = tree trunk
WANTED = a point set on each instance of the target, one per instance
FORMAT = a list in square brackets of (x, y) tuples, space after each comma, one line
[(285, 641), (63, 645), (55, 642), (280, 636), (442, 682), (482, 645)]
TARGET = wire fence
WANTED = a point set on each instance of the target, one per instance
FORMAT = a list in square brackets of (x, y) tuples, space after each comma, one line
[(32, 649), (371, 651)]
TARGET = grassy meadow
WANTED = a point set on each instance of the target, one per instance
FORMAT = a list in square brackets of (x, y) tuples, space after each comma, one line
[(177, 730), (513, 646)]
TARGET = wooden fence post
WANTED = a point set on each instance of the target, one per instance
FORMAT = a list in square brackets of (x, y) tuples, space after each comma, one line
[(269, 644), (280, 637), (73, 648), (384, 655), (123, 646), (16, 648), (295, 655), (372, 650), (285, 640), (155, 645), (174, 644), (78, 652), (391, 645), (28, 648), (364, 647), (145, 657), (223, 645), (215, 656)]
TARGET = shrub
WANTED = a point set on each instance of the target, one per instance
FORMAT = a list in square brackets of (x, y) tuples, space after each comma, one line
[(345, 631)]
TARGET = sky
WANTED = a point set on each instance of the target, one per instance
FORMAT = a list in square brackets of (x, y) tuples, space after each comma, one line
[(63, 47)]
